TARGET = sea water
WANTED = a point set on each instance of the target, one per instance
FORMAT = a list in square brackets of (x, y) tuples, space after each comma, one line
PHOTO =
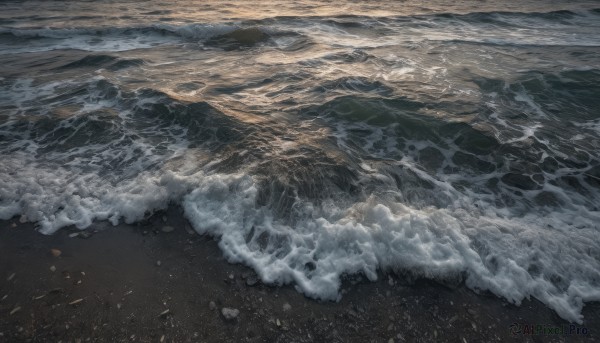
[(452, 140)]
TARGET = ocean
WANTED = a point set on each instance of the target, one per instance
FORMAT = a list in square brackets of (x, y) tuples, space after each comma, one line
[(457, 141)]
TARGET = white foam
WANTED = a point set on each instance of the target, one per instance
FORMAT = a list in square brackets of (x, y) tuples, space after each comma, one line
[(513, 257)]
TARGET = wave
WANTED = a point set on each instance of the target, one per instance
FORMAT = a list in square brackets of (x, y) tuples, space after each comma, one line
[(513, 257), (192, 31), (296, 33), (388, 188), (355, 20), (490, 16), (227, 37), (109, 62), (206, 31)]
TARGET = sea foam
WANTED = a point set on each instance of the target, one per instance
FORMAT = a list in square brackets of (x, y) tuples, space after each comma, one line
[(512, 257)]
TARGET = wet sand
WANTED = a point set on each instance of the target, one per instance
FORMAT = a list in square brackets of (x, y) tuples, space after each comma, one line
[(137, 283)]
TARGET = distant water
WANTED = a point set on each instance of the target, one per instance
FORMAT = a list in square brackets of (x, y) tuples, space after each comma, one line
[(453, 140)]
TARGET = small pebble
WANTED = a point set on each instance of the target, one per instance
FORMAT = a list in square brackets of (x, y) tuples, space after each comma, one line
[(84, 235), (55, 252), (167, 229), (212, 306), (251, 281), (158, 263), (52, 268), (230, 313)]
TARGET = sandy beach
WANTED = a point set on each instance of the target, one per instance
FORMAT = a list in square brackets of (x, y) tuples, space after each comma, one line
[(158, 281)]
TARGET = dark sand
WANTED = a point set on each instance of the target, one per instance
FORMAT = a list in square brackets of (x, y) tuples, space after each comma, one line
[(124, 291)]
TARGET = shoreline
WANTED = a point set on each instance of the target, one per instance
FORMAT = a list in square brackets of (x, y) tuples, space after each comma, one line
[(138, 283)]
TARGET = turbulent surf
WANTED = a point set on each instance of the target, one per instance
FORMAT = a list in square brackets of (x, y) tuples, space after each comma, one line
[(457, 142)]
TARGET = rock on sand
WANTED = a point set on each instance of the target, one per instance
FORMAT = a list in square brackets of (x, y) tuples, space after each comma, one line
[(230, 313)]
